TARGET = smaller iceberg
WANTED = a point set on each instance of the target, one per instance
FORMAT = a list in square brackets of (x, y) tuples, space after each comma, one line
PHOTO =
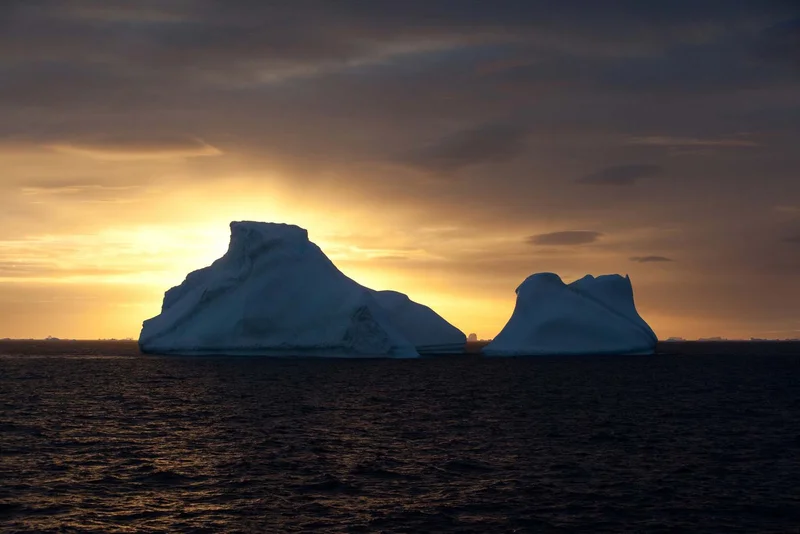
[(589, 316)]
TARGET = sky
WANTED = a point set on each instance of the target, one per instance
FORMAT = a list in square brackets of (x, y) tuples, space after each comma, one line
[(443, 148)]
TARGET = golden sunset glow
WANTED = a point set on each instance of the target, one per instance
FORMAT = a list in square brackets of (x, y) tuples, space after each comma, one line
[(448, 161), (104, 244)]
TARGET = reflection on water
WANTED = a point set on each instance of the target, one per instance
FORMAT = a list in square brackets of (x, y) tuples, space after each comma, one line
[(126, 442)]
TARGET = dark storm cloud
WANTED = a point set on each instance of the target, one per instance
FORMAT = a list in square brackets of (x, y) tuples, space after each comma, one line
[(314, 28), (316, 85), (227, 35), (651, 259), (217, 58), (620, 175), (486, 144), (570, 237)]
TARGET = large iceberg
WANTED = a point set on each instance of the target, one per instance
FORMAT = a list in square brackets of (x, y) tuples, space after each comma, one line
[(275, 293), (589, 316)]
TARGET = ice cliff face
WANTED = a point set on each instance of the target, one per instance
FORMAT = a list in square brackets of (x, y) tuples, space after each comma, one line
[(589, 316), (275, 293)]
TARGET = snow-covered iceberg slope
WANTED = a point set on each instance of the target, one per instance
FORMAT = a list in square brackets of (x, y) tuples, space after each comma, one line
[(275, 293), (426, 329), (589, 316)]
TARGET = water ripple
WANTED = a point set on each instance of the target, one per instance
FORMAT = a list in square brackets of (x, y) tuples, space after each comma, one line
[(93, 442)]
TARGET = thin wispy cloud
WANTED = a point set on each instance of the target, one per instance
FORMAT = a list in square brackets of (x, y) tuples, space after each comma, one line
[(390, 258), (690, 142), (75, 189), (492, 143), (565, 238), (651, 259), (138, 148)]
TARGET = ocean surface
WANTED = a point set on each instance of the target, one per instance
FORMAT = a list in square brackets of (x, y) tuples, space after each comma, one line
[(95, 437)]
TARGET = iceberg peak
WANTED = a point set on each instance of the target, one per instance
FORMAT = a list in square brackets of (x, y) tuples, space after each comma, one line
[(260, 232), (540, 281), (252, 238)]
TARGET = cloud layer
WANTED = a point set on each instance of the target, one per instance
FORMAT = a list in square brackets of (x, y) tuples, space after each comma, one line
[(569, 237), (621, 175), (651, 259), (426, 143)]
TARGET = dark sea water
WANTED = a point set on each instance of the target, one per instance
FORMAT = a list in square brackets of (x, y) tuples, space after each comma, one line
[(97, 438)]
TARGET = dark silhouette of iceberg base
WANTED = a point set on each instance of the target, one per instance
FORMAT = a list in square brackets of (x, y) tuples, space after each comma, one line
[(275, 293), (589, 316)]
